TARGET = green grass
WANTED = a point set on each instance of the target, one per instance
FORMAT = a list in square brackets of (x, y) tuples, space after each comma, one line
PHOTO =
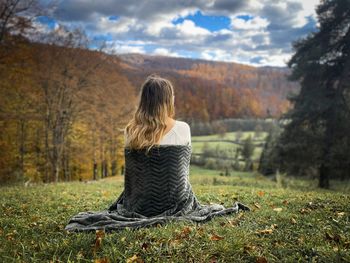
[(229, 136), (290, 222), (198, 146)]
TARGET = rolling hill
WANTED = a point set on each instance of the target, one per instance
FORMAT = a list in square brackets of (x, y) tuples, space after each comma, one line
[(214, 90)]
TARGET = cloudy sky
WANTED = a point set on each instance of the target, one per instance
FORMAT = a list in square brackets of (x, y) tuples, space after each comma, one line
[(256, 32)]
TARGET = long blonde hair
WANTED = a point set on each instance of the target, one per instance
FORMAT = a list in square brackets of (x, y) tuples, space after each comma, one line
[(148, 124)]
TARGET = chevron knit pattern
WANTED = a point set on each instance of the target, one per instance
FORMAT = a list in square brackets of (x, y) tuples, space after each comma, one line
[(156, 190)]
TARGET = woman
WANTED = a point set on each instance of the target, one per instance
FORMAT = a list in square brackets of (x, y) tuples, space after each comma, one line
[(157, 159), (153, 122)]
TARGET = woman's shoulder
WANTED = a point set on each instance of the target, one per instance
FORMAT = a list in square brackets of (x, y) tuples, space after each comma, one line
[(182, 125)]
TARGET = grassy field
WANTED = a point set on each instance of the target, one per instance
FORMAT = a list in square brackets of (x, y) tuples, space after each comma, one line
[(291, 221), (198, 146)]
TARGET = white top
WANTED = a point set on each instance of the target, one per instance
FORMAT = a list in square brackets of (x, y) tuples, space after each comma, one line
[(179, 134)]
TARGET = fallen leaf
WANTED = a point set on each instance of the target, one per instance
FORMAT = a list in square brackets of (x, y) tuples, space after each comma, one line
[(213, 260), (261, 260), (347, 245), (145, 246), (100, 233), (305, 211), (215, 237), (285, 202), (185, 232), (274, 226), (261, 193), (98, 240), (105, 193), (301, 240), (333, 237), (101, 260), (134, 258), (257, 205), (200, 231), (10, 236), (277, 209), (248, 248), (340, 214), (175, 242), (293, 221), (264, 232)]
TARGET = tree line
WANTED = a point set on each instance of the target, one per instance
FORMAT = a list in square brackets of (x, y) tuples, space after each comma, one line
[(315, 139), (62, 106)]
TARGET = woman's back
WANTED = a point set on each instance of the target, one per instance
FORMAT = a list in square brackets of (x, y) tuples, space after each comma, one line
[(179, 134), (157, 183)]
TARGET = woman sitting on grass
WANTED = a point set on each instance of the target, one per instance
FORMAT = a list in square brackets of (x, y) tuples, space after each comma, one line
[(157, 160)]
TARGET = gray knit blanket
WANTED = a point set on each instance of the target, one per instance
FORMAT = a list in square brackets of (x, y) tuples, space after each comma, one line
[(156, 190)]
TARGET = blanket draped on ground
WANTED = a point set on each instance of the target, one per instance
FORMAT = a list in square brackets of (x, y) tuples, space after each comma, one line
[(156, 190)]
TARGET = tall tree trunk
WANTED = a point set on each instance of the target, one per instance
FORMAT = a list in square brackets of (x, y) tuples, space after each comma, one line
[(325, 169), (65, 162), (47, 149), (337, 108), (21, 148), (37, 147), (94, 161), (101, 157)]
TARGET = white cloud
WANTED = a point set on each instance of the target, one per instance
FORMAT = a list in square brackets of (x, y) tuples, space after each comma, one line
[(164, 52), (188, 29), (148, 25), (119, 48), (217, 55), (122, 25), (253, 23)]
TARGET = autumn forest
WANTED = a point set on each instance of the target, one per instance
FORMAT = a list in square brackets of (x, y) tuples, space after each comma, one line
[(63, 106)]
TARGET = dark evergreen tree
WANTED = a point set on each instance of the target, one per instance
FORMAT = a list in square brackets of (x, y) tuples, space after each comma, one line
[(247, 152), (318, 129), (269, 159)]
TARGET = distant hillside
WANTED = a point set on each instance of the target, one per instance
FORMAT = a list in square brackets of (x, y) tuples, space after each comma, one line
[(214, 90)]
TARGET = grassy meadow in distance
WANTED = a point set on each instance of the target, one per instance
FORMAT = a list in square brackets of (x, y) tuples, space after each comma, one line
[(217, 140), (289, 221)]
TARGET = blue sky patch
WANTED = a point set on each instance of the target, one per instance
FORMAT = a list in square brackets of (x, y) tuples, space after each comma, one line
[(50, 22), (107, 37), (245, 17), (113, 18), (211, 23)]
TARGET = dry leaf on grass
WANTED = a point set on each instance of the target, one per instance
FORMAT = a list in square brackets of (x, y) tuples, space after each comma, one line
[(277, 209), (248, 248), (145, 246), (261, 193), (185, 232), (333, 237), (264, 232), (305, 210), (340, 214), (135, 259), (274, 226), (100, 234), (215, 237), (101, 260), (261, 260), (213, 260)]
